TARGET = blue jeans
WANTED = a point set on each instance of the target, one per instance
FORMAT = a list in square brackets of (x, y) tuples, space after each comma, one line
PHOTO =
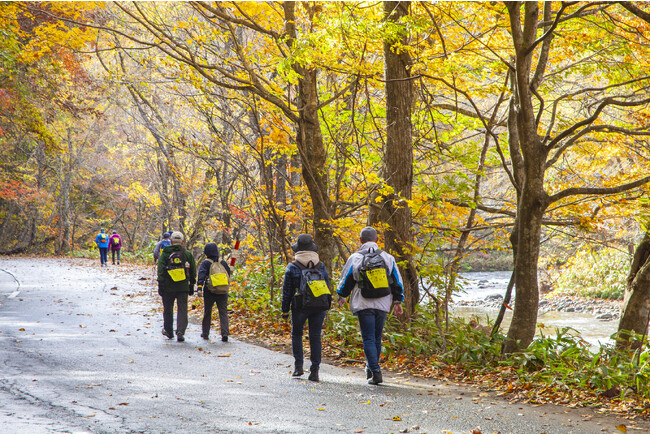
[(103, 253), (371, 323), (298, 319)]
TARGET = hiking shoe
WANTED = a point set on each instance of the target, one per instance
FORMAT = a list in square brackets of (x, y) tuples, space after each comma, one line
[(376, 378), (224, 338), (204, 336), (297, 371), (180, 337), (313, 375), (368, 373), (167, 334)]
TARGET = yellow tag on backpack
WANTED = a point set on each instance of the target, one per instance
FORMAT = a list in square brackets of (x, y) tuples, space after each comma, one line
[(378, 278), (177, 274), (318, 287), (219, 279)]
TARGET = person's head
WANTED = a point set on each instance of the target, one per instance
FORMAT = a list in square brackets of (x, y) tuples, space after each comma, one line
[(102, 230), (166, 236), (177, 238), (114, 232), (211, 250), (368, 234), (304, 243)]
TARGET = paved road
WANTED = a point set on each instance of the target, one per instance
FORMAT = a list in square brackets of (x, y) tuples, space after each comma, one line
[(81, 351)]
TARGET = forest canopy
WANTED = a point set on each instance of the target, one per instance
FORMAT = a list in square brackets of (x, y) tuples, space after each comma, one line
[(459, 129)]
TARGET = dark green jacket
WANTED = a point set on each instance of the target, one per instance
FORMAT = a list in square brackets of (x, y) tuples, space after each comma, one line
[(166, 282)]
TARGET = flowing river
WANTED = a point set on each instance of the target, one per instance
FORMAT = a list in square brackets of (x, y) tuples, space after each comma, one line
[(477, 286)]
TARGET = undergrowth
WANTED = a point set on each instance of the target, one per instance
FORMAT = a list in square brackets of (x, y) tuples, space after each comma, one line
[(593, 273)]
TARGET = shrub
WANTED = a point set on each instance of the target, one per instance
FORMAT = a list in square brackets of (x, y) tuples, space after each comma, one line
[(594, 273)]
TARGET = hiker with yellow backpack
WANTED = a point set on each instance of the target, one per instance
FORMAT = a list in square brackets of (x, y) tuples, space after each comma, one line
[(176, 280), (214, 282)]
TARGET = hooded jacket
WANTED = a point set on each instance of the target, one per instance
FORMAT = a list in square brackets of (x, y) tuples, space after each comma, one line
[(166, 282), (211, 250), (114, 245), (350, 276)]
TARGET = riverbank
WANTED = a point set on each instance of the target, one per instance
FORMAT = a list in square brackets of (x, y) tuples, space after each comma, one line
[(602, 310)]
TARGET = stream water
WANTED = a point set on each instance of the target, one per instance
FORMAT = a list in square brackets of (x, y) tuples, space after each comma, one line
[(479, 285)]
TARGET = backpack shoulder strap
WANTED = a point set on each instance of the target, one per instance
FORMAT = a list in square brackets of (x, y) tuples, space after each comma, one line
[(299, 265)]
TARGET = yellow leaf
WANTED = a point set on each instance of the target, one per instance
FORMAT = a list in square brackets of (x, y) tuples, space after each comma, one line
[(397, 418), (321, 409), (622, 428)]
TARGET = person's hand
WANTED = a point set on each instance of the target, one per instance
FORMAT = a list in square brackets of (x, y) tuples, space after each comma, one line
[(191, 289), (342, 301), (199, 290), (398, 309), (285, 315)]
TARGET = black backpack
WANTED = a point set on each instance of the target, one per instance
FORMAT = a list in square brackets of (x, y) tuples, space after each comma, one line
[(176, 266), (313, 293), (374, 278)]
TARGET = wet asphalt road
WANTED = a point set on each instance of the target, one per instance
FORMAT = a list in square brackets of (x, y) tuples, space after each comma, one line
[(81, 351)]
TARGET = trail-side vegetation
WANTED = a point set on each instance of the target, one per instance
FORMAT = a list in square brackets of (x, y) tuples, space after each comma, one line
[(559, 368)]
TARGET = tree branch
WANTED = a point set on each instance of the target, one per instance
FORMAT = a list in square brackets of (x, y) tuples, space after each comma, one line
[(598, 190)]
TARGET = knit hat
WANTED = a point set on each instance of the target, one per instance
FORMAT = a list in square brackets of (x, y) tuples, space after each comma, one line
[(304, 243), (368, 234), (166, 235)]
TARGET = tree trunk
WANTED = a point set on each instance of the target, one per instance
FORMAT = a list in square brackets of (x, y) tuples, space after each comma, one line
[(636, 305), (530, 210), (398, 155), (532, 200), (313, 155)]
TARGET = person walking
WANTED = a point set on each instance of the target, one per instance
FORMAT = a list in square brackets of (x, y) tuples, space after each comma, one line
[(176, 280), (306, 294), (372, 281), (115, 245), (102, 243), (214, 282), (161, 245)]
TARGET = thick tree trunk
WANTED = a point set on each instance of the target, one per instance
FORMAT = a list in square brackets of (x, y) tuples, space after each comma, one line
[(530, 210), (636, 306), (313, 155), (398, 155)]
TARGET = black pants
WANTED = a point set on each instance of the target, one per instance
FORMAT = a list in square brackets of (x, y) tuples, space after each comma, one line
[(221, 300), (118, 255), (298, 319), (168, 299)]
